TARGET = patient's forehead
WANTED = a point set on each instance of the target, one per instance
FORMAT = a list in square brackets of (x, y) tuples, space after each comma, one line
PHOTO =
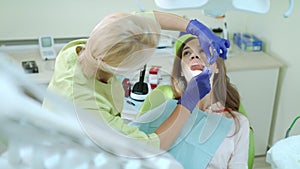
[(194, 44)]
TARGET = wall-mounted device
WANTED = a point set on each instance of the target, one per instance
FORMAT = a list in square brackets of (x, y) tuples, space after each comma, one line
[(46, 44)]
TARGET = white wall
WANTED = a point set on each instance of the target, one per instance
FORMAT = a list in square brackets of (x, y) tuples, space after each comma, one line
[(60, 18), (76, 18)]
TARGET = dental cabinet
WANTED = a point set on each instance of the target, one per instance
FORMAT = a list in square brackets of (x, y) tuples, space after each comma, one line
[(255, 74)]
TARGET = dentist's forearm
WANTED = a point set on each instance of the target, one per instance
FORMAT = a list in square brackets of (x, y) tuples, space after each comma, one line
[(170, 21), (169, 130)]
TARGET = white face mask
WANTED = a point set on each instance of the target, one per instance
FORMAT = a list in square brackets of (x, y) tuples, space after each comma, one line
[(195, 72)]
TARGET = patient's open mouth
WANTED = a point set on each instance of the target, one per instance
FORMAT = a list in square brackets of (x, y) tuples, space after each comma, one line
[(197, 67)]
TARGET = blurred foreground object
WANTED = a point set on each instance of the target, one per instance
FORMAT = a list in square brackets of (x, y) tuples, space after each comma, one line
[(33, 138), (284, 154)]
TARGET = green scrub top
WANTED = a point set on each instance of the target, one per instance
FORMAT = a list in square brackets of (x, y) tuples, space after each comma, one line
[(106, 99)]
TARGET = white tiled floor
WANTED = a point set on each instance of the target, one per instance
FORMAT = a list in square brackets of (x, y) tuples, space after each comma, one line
[(260, 163)]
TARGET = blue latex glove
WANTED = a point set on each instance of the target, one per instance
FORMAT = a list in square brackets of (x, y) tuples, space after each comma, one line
[(208, 39), (197, 88)]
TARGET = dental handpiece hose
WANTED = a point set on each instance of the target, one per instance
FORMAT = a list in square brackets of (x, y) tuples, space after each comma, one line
[(141, 80)]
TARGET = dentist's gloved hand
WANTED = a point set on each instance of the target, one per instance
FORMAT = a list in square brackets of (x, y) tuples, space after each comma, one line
[(196, 89), (208, 39)]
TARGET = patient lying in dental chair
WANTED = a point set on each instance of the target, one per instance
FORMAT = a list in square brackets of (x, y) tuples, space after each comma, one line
[(216, 135)]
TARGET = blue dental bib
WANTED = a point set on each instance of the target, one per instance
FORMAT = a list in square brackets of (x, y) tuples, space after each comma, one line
[(199, 139)]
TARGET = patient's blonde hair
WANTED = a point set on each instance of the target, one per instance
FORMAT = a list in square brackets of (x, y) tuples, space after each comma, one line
[(118, 44)]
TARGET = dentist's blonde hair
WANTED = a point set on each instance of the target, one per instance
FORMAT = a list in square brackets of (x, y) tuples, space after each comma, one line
[(119, 44)]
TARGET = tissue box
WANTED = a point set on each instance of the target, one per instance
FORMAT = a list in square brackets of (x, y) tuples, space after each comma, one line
[(247, 42)]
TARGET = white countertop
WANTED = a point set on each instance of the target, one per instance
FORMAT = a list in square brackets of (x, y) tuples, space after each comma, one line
[(239, 60), (46, 68)]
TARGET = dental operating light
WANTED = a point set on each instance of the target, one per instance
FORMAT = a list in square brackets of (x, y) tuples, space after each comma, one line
[(216, 7), (289, 10)]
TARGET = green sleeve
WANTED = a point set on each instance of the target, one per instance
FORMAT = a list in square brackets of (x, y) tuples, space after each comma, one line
[(155, 98), (149, 14), (130, 131)]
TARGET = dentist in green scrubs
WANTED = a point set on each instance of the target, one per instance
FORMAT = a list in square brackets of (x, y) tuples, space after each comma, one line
[(86, 70)]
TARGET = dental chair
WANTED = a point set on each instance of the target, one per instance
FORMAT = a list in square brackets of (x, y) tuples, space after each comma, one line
[(163, 93)]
